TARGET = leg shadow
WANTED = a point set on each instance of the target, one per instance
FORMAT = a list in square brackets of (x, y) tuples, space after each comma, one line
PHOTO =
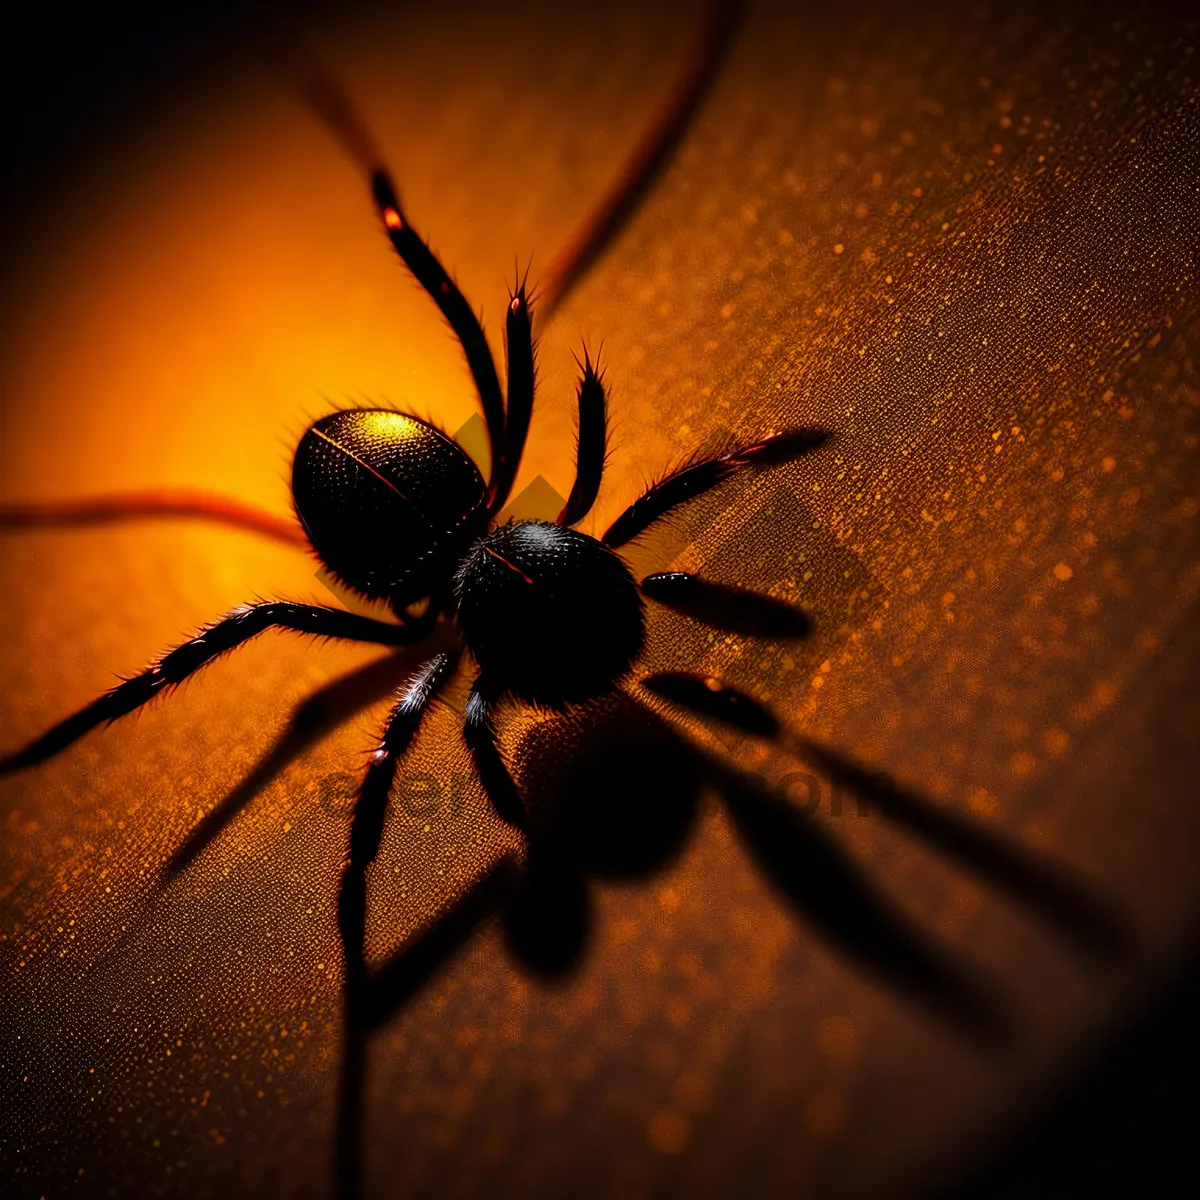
[(318, 715), (829, 890), (612, 791), (1086, 920)]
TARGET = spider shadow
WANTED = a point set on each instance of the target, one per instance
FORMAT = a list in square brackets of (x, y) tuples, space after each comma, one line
[(612, 792), (311, 720)]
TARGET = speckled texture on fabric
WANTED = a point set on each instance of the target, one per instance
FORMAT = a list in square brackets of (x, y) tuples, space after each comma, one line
[(966, 240)]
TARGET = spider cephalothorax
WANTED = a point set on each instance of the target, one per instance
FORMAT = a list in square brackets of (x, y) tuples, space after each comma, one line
[(553, 613)]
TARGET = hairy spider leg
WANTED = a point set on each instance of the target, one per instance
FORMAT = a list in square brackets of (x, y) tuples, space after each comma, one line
[(431, 275), (591, 443), (329, 102), (732, 609), (694, 478), (237, 627), (366, 833), (521, 350), (366, 829), (479, 732)]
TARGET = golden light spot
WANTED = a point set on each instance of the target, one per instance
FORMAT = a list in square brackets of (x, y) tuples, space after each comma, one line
[(1022, 764), (1107, 463), (391, 218), (1063, 572), (982, 803), (838, 248), (1056, 740), (668, 1131), (389, 425), (838, 1037)]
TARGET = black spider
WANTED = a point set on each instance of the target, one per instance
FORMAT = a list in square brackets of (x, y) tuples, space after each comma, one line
[(400, 513)]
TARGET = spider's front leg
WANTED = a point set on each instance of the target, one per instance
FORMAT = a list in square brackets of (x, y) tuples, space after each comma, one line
[(239, 626), (732, 609), (698, 476), (591, 445)]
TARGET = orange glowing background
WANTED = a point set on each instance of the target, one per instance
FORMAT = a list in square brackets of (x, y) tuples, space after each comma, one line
[(968, 246)]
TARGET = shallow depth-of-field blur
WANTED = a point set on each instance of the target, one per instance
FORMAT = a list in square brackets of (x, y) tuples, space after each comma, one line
[(966, 243)]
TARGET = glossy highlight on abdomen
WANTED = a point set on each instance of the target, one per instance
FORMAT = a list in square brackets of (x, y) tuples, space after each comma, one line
[(386, 500)]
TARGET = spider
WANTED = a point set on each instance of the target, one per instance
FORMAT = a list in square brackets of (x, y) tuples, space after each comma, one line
[(398, 512)]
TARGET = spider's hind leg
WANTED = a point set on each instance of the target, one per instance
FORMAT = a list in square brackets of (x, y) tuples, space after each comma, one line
[(231, 631), (732, 609), (366, 829), (479, 732)]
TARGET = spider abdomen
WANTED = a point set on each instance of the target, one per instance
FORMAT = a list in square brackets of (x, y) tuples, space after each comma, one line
[(549, 613), (388, 501)]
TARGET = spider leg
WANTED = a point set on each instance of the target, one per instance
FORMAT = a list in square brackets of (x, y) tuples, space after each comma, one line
[(366, 829), (1050, 892), (387, 990), (370, 1000), (521, 348), (694, 478), (649, 158), (733, 609), (325, 97), (479, 732), (156, 502), (231, 631), (591, 444)]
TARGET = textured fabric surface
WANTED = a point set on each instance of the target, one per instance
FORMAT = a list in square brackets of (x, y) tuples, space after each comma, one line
[(967, 242)]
